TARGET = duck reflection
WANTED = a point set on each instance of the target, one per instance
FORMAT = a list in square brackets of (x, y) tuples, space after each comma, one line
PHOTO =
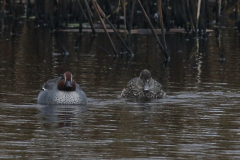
[(142, 100), (64, 115)]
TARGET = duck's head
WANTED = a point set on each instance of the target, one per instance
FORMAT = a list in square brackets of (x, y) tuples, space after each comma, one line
[(67, 83), (145, 77)]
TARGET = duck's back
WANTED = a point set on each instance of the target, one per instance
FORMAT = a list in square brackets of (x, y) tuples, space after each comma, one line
[(131, 90), (134, 90), (156, 90)]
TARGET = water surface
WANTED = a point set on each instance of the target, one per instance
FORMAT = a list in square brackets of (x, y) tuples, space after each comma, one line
[(199, 119)]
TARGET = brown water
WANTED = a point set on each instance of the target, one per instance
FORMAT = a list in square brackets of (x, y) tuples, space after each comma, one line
[(199, 119)]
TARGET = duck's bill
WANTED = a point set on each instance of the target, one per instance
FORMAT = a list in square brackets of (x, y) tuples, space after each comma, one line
[(68, 84), (146, 88)]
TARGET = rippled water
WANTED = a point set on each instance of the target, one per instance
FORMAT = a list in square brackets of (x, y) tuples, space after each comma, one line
[(199, 119)]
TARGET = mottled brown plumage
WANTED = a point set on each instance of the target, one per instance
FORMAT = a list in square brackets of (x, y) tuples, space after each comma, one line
[(143, 86)]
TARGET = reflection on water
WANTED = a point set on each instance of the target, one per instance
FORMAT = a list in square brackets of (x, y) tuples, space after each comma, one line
[(198, 119), (63, 114)]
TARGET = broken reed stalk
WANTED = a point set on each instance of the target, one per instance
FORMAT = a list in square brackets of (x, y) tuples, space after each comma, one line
[(88, 8), (51, 14), (130, 23), (223, 6), (95, 4), (66, 12), (131, 18), (117, 10), (28, 8), (118, 19), (198, 14), (207, 14), (167, 22), (219, 4), (124, 14), (202, 18), (1, 14), (146, 7), (81, 15), (189, 13), (80, 21), (104, 16), (159, 2), (238, 16), (36, 12), (111, 10), (80, 6), (184, 15), (89, 17), (153, 31), (14, 18), (193, 13)]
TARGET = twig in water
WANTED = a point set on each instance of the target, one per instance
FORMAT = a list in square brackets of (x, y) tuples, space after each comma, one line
[(102, 48)]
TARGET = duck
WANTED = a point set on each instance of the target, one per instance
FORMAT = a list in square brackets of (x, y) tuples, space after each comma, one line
[(62, 90), (143, 86)]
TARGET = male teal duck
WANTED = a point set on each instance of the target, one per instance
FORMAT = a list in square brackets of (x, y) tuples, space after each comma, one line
[(143, 87), (62, 90)]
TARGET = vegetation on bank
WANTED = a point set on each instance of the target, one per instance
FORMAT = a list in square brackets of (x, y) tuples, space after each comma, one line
[(195, 16)]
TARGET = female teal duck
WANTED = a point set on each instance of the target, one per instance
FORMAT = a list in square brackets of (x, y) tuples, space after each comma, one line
[(62, 90), (143, 86)]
